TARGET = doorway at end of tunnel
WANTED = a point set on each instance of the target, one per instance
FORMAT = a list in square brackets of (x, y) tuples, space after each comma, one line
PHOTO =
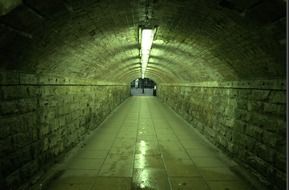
[(143, 87)]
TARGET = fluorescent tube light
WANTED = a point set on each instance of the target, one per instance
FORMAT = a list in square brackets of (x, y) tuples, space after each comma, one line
[(147, 36)]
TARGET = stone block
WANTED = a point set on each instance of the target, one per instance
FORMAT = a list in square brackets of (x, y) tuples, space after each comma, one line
[(280, 161), (45, 144), (274, 125), (241, 104), (260, 95), (21, 139), (6, 167), (244, 93), (32, 91), (247, 142), (4, 129), (48, 101), (28, 121), (278, 97), (13, 180), (263, 121), (8, 107), (257, 164), (255, 106), (35, 149), (20, 156), (9, 78), (277, 109), (242, 115), (46, 115), (270, 139), (26, 105), (4, 148), (255, 132), (11, 92), (28, 170), (27, 78), (281, 179), (264, 154), (229, 122)]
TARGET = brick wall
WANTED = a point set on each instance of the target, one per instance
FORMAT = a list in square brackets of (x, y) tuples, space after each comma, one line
[(245, 119), (43, 117)]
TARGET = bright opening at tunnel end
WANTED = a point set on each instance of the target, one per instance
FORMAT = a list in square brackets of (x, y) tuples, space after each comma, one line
[(147, 36)]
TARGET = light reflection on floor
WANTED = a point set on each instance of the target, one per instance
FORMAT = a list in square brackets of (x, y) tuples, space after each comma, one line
[(144, 145)]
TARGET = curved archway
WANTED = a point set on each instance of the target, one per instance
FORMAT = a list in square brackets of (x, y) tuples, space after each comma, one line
[(143, 87), (217, 63)]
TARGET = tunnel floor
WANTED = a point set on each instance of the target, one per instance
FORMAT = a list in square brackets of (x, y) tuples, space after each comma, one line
[(139, 92), (145, 145)]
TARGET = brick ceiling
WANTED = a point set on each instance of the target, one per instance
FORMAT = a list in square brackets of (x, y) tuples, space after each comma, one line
[(196, 40)]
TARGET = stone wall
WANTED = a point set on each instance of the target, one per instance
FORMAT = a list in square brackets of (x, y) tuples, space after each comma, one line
[(247, 120), (43, 117)]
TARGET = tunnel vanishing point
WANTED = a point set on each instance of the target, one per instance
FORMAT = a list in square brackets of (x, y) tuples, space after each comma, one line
[(66, 65)]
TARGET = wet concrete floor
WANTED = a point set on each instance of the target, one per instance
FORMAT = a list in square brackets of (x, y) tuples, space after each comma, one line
[(145, 145)]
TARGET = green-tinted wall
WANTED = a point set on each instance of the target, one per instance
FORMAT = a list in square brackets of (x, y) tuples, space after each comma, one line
[(245, 119), (43, 117)]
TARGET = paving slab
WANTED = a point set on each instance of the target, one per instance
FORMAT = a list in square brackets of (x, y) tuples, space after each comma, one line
[(145, 145)]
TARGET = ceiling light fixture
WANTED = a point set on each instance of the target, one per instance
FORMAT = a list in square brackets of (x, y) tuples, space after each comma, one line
[(147, 36)]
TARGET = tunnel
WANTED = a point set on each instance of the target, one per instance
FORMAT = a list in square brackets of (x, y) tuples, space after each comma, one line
[(143, 87), (217, 120)]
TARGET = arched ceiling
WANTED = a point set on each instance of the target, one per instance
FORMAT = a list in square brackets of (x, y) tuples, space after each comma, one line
[(196, 40)]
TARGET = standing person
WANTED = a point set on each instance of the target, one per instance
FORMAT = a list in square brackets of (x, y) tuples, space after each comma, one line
[(143, 86), (136, 83), (155, 90)]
